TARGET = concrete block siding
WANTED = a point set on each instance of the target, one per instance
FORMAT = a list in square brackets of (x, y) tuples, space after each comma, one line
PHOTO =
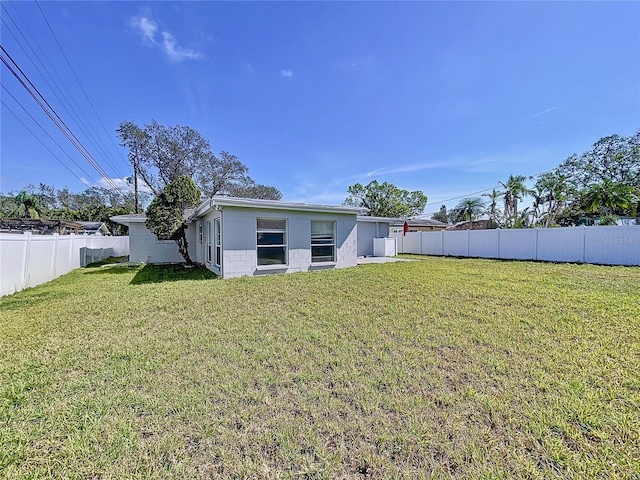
[(145, 247), (239, 227)]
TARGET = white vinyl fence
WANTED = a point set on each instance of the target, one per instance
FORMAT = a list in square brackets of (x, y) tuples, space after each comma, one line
[(612, 245), (28, 260)]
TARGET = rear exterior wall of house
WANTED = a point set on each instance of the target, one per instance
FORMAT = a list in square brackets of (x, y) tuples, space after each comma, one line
[(239, 241), (145, 247)]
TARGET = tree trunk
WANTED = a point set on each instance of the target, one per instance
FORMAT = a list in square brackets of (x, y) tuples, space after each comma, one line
[(183, 246)]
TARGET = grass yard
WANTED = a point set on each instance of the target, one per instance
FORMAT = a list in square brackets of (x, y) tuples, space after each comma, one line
[(436, 368)]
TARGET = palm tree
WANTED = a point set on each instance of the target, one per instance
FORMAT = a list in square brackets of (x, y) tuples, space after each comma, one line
[(493, 210), (470, 208), (28, 205), (550, 192), (514, 190), (608, 197)]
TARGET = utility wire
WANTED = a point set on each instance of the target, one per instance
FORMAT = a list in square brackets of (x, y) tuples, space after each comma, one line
[(43, 129), (53, 115), (485, 190), (73, 113), (38, 138), (80, 84)]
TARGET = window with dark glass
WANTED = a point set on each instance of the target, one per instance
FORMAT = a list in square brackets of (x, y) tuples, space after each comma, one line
[(271, 241), (323, 241)]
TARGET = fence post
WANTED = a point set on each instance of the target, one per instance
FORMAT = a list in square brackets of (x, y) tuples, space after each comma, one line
[(52, 273), (25, 275), (499, 243), (536, 244), (584, 243), (469, 240), (70, 264), (442, 242)]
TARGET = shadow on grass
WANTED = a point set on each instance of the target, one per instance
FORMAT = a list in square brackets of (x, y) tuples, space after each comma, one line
[(171, 273), (108, 261), (111, 268), (30, 297)]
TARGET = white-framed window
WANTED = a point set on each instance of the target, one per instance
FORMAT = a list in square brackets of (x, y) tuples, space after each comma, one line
[(271, 241), (217, 242), (209, 239), (323, 241), (200, 231)]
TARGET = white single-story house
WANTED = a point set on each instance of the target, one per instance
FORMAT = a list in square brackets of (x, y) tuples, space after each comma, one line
[(234, 237)]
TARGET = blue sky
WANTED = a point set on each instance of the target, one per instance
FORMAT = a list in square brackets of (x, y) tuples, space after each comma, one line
[(444, 97)]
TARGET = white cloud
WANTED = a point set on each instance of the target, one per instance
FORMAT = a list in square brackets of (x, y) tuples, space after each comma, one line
[(148, 30), (286, 73), (146, 27), (175, 52)]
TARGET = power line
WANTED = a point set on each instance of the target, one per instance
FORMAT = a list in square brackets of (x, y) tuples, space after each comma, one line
[(53, 115), (73, 113), (38, 138), (485, 190), (43, 129), (78, 80)]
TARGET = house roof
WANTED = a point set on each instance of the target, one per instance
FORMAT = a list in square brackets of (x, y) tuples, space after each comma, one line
[(366, 218), (417, 222), (223, 201), (220, 201), (141, 217), (129, 218)]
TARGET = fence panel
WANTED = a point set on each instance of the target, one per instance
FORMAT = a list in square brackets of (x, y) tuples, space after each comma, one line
[(13, 252), (432, 243), (561, 244), (29, 260), (484, 243), (612, 245), (518, 244), (456, 243), (412, 243)]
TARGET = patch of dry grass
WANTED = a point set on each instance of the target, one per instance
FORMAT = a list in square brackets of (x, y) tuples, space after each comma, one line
[(436, 368)]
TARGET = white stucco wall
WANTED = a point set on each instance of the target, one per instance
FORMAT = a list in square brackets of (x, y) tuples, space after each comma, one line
[(239, 241), (367, 231), (144, 247)]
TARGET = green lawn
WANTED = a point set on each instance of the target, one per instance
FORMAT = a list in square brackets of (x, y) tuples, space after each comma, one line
[(435, 368)]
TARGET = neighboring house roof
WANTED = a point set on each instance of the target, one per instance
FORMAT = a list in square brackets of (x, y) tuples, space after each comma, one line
[(483, 224), (97, 227), (42, 224)]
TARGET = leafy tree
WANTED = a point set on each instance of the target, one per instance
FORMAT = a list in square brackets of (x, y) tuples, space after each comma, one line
[(608, 197), (165, 214), (27, 205), (615, 158), (386, 200), (7, 205), (469, 209), (256, 190), (159, 154), (441, 215)]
